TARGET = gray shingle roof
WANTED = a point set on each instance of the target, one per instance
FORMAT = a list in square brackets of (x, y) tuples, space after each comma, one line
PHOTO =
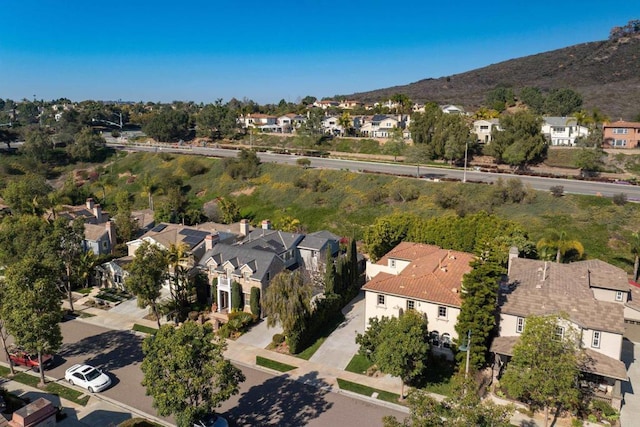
[(274, 241), (542, 288), (260, 261), (560, 121)]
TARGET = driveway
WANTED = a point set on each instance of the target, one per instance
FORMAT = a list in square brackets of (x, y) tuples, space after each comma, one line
[(631, 389), (340, 347)]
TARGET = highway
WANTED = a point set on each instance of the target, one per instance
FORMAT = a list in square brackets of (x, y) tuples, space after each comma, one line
[(426, 172)]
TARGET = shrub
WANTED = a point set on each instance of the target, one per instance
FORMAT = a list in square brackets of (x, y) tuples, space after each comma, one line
[(577, 422), (604, 408), (236, 296), (557, 190), (192, 168), (255, 301), (620, 199), (193, 315), (278, 339)]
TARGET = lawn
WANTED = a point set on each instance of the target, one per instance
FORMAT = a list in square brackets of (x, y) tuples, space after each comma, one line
[(358, 364), (54, 388), (272, 364), (368, 391)]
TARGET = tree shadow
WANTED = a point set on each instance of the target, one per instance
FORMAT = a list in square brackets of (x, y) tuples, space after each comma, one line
[(283, 402), (109, 350)]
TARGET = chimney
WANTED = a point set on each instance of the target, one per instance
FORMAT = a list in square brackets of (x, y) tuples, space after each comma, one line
[(111, 231), (89, 203), (210, 240), (513, 253), (266, 224), (244, 227), (97, 212)]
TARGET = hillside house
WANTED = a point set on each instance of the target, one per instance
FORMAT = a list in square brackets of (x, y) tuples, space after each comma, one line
[(416, 276), (563, 131), (591, 293), (379, 125), (484, 129), (621, 134)]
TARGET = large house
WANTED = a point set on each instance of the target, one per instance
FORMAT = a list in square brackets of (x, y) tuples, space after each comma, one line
[(416, 276), (563, 131), (621, 134), (592, 294), (256, 259), (379, 125)]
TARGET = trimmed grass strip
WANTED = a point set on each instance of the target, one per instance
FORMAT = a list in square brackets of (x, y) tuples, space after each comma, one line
[(272, 364), (368, 391), (54, 388), (146, 329)]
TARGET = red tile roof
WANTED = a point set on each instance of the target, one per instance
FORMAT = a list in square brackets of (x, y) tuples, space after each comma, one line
[(434, 274)]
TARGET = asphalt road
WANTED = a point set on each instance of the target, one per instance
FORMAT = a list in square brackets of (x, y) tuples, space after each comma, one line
[(429, 173), (264, 399)]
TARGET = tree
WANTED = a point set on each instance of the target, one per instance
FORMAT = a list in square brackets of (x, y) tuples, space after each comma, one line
[(229, 210), (544, 368), (478, 310), (533, 98), (254, 301), (500, 98), (287, 301), (147, 273), (179, 259), (216, 121), (4, 334), (186, 373), (465, 408), (236, 296), (346, 123), (38, 146), (395, 144), (561, 246), (398, 345), (70, 240), (126, 226), (27, 194), (589, 160), (520, 142), (385, 234), (87, 146), (31, 306), (424, 411), (329, 274), (562, 102), (167, 125)]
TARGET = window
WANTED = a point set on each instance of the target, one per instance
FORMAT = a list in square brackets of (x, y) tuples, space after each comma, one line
[(411, 304), (620, 131), (559, 333), (519, 325), (619, 296), (558, 129), (105, 244), (442, 312), (619, 142), (392, 263), (484, 127), (595, 340), (380, 299)]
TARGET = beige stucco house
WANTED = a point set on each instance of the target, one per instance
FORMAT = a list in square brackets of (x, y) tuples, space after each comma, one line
[(592, 294), (421, 277)]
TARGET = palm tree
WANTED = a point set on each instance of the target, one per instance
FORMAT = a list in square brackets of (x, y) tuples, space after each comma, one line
[(559, 242), (178, 259), (345, 123), (635, 250), (149, 186)]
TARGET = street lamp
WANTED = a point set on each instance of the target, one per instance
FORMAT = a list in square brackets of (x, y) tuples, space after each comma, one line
[(467, 347), (466, 150)]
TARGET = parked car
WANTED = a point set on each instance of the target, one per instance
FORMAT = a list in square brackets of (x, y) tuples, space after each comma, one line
[(20, 357), (3, 404), (85, 376), (212, 420)]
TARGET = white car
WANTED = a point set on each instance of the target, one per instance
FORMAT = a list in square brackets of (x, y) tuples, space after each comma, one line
[(87, 377)]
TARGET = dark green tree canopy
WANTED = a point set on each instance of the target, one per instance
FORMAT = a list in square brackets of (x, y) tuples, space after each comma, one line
[(168, 125), (186, 373)]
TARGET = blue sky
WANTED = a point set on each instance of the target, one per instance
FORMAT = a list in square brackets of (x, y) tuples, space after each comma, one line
[(160, 51)]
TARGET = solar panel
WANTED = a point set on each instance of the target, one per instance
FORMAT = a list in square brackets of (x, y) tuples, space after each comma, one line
[(159, 228)]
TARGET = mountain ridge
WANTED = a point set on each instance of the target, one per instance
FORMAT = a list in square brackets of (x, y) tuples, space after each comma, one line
[(606, 74)]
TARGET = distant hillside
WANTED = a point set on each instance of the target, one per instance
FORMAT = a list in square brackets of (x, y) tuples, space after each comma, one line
[(605, 73)]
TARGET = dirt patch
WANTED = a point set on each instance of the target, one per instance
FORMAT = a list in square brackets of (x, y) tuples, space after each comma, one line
[(246, 192)]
